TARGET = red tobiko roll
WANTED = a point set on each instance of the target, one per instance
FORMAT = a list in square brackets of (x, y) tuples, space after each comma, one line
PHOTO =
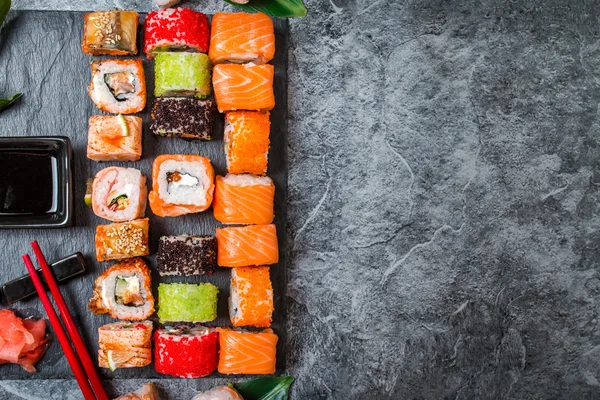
[(175, 29), (186, 351)]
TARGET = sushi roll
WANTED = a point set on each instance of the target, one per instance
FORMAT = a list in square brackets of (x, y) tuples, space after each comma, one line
[(187, 255), (241, 37), (243, 352), (122, 240), (125, 345), (183, 117), (219, 393), (244, 199), (114, 138), (110, 32), (185, 351), (247, 245), (175, 29), (246, 142), (182, 74), (118, 86), (146, 392), (251, 299), (182, 302), (124, 291), (119, 194), (181, 184), (244, 87)]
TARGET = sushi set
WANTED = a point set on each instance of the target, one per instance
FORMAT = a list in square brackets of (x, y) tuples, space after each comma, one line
[(173, 208)]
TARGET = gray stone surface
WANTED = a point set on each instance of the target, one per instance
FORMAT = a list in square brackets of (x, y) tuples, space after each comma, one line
[(443, 202)]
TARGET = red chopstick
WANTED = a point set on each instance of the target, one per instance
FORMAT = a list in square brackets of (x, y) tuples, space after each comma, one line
[(86, 389), (84, 356)]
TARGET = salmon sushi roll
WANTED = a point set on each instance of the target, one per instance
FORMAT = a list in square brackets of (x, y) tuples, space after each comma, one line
[(186, 351), (219, 393), (246, 142), (125, 345), (247, 245), (118, 86), (110, 32), (147, 392), (119, 194), (241, 37), (181, 184), (114, 138), (175, 29), (251, 299), (244, 199), (250, 353), (124, 291), (122, 240), (244, 87)]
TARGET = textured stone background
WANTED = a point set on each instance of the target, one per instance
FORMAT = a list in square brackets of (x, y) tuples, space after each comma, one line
[(444, 186)]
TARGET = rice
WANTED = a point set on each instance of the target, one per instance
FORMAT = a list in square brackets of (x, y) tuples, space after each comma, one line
[(246, 180), (190, 189), (102, 96)]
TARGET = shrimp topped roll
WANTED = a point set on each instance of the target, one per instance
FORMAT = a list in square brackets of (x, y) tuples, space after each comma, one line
[(119, 194), (118, 86)]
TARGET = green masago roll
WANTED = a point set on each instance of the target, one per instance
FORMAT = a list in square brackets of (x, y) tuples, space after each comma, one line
[(182, 74), (181, 302)]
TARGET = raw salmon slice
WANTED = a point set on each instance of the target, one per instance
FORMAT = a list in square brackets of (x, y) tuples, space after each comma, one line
[(109, 141), (247, 245), (247, 352), (244, 87), (244, 199), (241, 37)]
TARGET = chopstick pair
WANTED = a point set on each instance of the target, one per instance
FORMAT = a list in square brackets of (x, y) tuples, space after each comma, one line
[(95, 391)]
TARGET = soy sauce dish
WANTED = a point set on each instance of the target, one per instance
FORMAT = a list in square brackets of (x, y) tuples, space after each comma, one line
[(35, 182)]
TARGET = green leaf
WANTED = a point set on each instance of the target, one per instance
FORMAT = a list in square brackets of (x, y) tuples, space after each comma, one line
[(5, 103), (4, 7), (274, 8), (267, 388)]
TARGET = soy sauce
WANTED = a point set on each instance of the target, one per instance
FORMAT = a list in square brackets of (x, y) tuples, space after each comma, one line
[(28, 182)]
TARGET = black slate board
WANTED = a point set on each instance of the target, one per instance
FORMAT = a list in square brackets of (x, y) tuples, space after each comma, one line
[(40, 55)]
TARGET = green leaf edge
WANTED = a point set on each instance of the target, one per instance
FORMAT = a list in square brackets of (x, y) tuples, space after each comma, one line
[(5, 103), (284, 383), (4, 7), (295, 10)]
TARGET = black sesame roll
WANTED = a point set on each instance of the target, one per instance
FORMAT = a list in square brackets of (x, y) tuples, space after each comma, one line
[(187, 255), (183, 117)]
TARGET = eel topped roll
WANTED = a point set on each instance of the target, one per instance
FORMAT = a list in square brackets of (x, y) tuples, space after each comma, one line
[(241, 37), (110, 32), (186, 255), (118, 86), (186, 351), (182, 75), (244, 87), (243, 352), (181, 184), (244, 199), (122, 240), (124, 291), (119, 194), (175, 29), (183, 117), (246, 142)]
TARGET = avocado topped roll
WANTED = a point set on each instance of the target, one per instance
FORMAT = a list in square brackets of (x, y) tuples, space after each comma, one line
[(110, 32), (124, 291), (118, 86)]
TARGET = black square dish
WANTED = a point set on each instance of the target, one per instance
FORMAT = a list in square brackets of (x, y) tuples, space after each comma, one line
[(35, 182)]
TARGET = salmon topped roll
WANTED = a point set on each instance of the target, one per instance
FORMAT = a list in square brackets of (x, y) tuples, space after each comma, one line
[(247, 245), (244, 199), (124, 291), (181, 184), (119, 194), (246, 142), (110, 32), (244, 87), (114, 138), (125, 345), (243, 352), (118, 86), (241, 37)]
